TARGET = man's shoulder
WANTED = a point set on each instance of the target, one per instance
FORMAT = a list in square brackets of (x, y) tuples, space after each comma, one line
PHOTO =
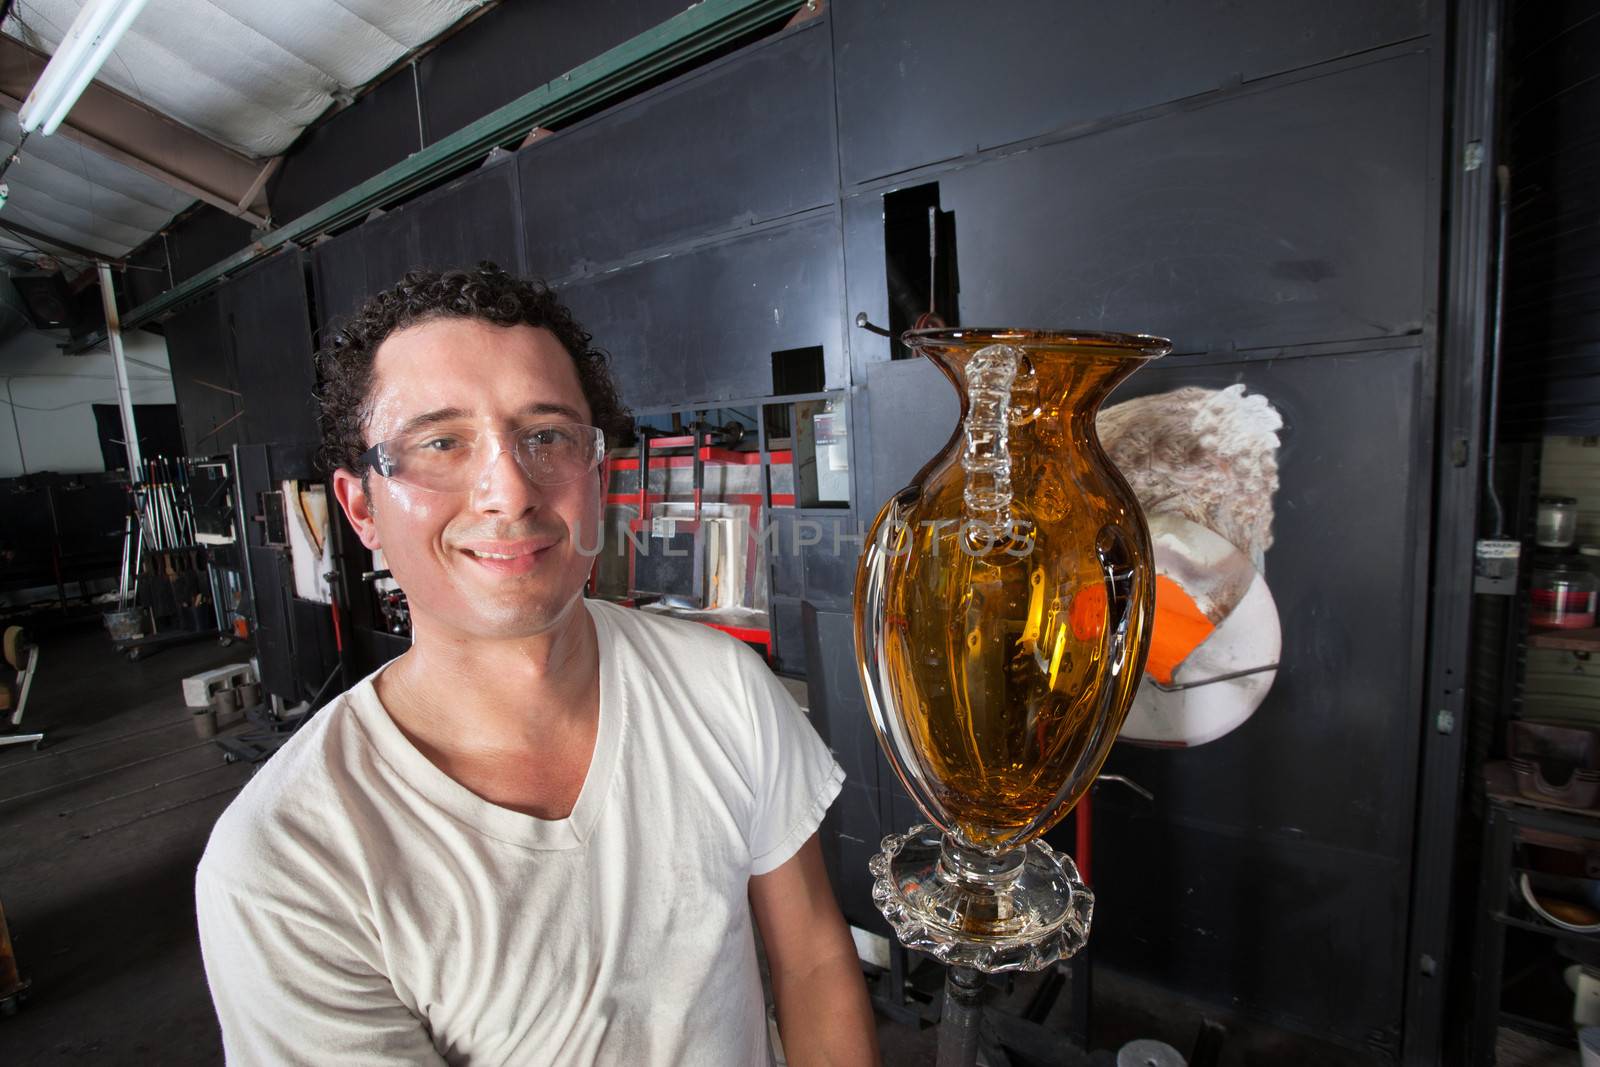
[(684, 643), (298, 816)]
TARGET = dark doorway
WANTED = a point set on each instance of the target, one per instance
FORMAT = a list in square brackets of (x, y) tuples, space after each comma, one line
[(158, 432)]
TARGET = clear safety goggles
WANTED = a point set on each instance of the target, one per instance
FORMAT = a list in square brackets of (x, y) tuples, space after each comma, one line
[(453, 460)]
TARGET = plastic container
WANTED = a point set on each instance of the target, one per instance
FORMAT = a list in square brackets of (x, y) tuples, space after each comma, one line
[(1563, 596), (1572, 898), (1589, 1045), (1578, 789), (1574, 745), (1556, 522), (125, 625)]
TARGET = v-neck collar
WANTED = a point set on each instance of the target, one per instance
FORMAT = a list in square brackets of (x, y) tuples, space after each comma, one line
[(503, 824)]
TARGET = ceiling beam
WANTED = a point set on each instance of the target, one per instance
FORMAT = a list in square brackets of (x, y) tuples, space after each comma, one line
[(142, 138), (56, 244)]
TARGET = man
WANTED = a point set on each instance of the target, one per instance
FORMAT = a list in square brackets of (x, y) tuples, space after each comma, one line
[(539, 835)]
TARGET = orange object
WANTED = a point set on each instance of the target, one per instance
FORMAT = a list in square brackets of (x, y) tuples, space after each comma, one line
[(1088, 615), (1180, 628)]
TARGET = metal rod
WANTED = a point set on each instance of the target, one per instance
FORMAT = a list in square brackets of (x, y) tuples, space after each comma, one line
[(138, 561), (1503, 225), (1178, 687), (16, 153), (119, 365), (16, 426), (959, 1020), (216, 597), (416, 92), (864, 323)]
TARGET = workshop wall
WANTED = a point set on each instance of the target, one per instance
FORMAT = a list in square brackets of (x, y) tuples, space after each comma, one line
[(46, 399), (1552, 327), (508, 51)]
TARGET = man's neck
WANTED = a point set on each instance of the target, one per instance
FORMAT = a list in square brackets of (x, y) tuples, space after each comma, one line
[(464, 695)]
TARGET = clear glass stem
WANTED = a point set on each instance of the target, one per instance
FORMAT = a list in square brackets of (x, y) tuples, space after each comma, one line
[(986, 454)]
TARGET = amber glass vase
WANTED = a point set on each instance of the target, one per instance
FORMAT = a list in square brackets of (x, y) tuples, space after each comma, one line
[(1003, 611)]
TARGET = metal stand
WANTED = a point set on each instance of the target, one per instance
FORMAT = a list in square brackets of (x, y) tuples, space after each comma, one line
[(959, 1022)]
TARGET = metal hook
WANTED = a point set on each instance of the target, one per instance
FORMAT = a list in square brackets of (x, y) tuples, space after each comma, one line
[(1129, 782), (864, 323), (1230, 676)]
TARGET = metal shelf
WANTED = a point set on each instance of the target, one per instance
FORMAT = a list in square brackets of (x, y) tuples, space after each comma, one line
[(1541, 928), (1587, 640)]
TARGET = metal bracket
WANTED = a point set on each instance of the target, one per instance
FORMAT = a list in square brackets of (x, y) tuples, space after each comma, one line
[(1129, 782), (1180, 686), (864, 323)]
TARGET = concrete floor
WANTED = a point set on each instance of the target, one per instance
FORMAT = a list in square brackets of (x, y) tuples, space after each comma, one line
[(99, 836), (100, 833)]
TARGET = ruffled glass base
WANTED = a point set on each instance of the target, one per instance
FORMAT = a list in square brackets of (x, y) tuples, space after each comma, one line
[(1020, 911)]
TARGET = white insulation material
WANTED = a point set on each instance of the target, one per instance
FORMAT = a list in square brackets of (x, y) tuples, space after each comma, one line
[(250, 74), (61, 188)]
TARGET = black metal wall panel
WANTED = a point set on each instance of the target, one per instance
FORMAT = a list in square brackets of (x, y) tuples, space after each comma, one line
[(515, 48), (1552, 327), (913, 411), (377, 132), (268, 322), (1317, 788), (787, 575), (274, 634), (702, 324), (788, 637), (745, 140), (193, 241), (474, 218), (390, 246), (340, 270), (935, 80), (205, 380), (828, 559), (1276, 217), (1330, 758), (1312, 935)]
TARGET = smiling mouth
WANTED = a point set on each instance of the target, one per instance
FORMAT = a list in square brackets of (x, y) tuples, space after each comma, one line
[(507, 558)]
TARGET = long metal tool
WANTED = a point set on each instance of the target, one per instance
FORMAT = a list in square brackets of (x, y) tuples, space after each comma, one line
[(961, 1017), (119, 367), (127, 558)]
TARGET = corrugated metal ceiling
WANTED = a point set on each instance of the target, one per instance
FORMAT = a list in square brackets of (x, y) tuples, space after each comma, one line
[(248, 74)]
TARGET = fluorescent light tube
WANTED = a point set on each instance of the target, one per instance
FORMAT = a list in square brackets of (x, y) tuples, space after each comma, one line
[(70, 56), (88, 43)]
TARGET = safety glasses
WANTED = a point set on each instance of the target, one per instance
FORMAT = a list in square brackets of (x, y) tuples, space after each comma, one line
[(451, 460)]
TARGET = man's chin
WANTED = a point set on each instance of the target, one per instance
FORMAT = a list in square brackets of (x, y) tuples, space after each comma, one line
[(505, 615)]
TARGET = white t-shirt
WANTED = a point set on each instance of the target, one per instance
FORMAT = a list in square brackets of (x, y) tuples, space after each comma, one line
[(359, 906)]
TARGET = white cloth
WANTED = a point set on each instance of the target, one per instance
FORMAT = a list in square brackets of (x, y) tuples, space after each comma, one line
[(359, 906)]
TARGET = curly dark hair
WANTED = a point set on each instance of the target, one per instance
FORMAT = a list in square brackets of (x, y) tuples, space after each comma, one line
[(486, 293)]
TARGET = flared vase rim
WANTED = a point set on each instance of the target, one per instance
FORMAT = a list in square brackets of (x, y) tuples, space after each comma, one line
[(1121, 345)]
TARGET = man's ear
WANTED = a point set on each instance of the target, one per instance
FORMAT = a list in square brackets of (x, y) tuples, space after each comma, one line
[(357, 507)]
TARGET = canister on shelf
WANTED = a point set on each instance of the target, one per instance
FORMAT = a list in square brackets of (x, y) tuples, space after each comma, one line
[(1556, 522), (1563, 595)]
